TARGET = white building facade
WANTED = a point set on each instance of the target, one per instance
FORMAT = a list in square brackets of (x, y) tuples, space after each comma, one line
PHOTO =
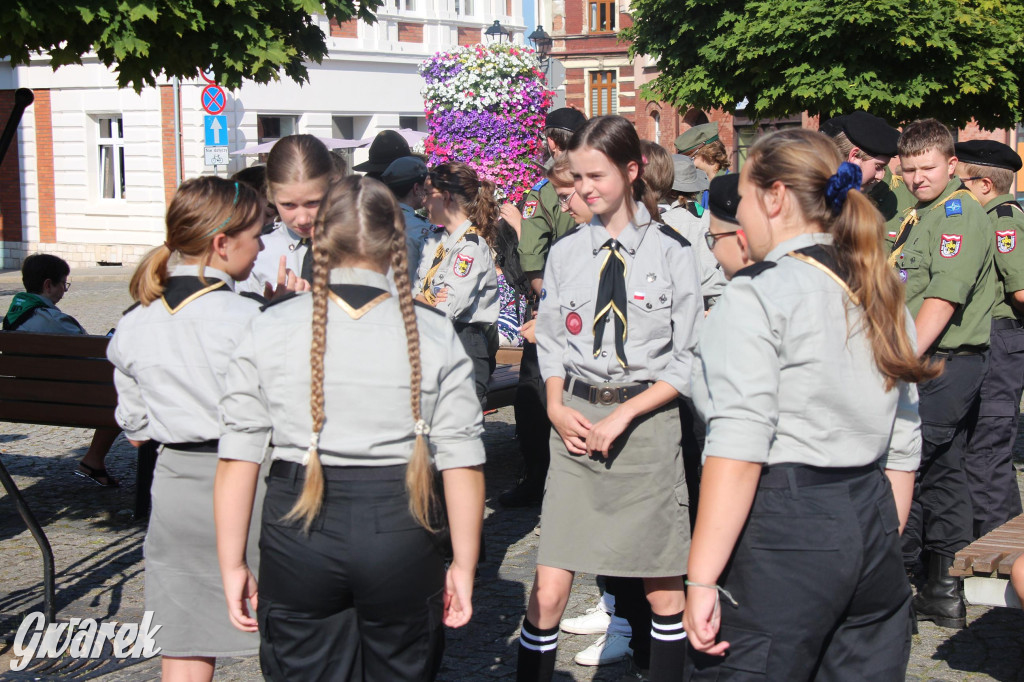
[(94, 167)]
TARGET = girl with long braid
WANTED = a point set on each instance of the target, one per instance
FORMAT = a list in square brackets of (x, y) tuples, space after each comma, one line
[(352, 582)]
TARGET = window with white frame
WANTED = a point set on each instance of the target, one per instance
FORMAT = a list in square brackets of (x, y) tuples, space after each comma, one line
[(464, 7), (110, 147), (275, 127), (407, 5)]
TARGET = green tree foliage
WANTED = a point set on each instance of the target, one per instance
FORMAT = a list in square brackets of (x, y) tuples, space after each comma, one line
[(239, 39), (901, 59)]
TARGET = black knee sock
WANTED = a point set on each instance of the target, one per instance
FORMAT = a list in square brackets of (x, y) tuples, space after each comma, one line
[(537, 651), (668, 648)]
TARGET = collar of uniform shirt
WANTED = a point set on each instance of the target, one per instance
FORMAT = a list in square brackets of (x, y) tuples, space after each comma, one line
[(629, 238), (798, 242), (367, 278), (293, 236), (193, 271), (451, 239)]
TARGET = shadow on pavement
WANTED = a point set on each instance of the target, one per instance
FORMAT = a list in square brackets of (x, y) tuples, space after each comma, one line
[(992, 644)]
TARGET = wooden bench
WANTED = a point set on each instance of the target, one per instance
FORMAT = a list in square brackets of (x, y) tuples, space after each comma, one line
[(501, 389), (61, 380), (985, 565)]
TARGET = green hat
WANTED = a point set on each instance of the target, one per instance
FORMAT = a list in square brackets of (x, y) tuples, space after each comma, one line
[(697, 137)]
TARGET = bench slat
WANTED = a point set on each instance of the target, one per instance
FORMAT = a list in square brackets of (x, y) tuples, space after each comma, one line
[(41, 391), (1006, 563), (984, 563), (80, 416), (73, 345), (83, 369)]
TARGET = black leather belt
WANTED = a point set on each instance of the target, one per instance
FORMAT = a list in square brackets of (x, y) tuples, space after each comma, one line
[(293, 470), (962, 350), (605, 394), (778, 476), (204, 446), (1005, 323)]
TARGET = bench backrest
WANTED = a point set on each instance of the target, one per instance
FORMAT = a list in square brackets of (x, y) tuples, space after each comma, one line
[(56, 379)]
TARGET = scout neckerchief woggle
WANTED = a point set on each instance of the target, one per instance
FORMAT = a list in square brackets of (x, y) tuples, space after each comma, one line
[(439, 256), (611, 298)]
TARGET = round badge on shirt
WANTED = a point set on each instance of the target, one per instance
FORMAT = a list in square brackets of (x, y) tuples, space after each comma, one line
[(574, 323)]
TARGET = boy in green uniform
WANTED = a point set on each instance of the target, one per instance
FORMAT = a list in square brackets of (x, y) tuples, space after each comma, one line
[(987, 168), (543, 222), (943, 254)]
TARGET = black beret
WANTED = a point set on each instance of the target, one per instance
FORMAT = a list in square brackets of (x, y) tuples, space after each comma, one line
[(724, 197), (870, 133), (988, 153), (832, 127), (565, 118)]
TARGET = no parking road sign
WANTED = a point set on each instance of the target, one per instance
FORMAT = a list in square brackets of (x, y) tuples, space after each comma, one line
[(214, 99)]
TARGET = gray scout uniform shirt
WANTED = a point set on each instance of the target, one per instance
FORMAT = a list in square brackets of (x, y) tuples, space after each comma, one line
[(366, 383), (278, 242), (785, 373), (467, 271), (664, 306), (170, 357), (416, 232), (712, 279), (50, 320)]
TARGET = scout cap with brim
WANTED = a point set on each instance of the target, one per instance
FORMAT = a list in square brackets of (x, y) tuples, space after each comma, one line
[(688, 178), (385, 148), (696, 137)]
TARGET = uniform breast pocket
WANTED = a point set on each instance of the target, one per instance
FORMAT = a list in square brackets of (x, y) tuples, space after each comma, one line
[(577, 310), (650, 313)]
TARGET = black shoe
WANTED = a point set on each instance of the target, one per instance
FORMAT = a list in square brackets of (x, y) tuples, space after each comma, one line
[(526, 494), (635, 673), (939, 599)]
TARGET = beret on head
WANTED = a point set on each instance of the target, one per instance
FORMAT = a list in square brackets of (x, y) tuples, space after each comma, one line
[(404, 170), (696, 137), (387, 146), (832, 127), (565, 118), (871, 133), (724, 197), (988, 153)]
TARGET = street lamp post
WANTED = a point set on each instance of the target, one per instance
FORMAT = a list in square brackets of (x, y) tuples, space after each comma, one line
[(543, 42), (495, 32)]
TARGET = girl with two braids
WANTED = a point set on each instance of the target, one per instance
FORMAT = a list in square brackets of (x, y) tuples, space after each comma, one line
[(352, 582), (806, 380)]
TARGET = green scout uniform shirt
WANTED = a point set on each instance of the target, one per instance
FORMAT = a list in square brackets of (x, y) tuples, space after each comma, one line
[(948, 255), (1008, 222), (544, 221), (893, 200)]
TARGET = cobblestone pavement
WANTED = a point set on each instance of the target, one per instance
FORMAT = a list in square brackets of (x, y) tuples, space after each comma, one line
[(98, 552)]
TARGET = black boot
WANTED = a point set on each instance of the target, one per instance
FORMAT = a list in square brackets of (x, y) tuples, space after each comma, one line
[(939, 599)]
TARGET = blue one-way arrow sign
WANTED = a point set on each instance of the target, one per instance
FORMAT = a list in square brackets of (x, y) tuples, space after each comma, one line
[(216, 130)]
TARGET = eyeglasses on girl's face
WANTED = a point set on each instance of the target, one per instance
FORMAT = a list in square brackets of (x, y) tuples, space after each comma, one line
[(563, 201), (712, 239)]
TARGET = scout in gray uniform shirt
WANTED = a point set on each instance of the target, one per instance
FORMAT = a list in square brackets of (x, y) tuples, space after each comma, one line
[(615, 334), (807, 398), (299, 169), (352, 584), (457, 274), (170, 355)]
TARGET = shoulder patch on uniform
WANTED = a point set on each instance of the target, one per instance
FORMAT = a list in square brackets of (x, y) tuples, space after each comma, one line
[(1004, 211), (756, 269), (1006, 240), (132, 307), (427, 306), (540, 184), (529, 209), (954, 207), (669, 232), (949, 245), (471, 237), (287, 297)]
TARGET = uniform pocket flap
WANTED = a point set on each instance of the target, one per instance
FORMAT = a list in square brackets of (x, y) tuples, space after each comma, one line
[(794, 533), (649, 300), (392, 518), (997, 408), (937, 434), (1014, 342), (574, 300), (682, 494), (748, 650), (889, 516)]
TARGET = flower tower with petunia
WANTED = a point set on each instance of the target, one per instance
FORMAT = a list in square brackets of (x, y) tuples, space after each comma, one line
[(485, 105)]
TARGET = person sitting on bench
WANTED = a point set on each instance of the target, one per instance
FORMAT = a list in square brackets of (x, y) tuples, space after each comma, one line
[(35, 310)]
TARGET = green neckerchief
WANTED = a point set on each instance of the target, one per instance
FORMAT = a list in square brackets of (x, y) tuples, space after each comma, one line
[(22, 306)]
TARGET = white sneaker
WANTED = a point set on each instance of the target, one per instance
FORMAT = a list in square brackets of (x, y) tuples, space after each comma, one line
[(607, 649), (593, 622)]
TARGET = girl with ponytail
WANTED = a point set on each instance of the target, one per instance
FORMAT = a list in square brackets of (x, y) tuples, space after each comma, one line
[(351, 567), (170, 353), (457, 273), (806, 379)]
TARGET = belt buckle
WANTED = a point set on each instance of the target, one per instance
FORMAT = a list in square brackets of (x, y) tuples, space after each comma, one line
[(606, 395)]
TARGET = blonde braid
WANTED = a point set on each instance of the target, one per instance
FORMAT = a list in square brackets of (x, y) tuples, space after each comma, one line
[(419, 477), (311, 500)]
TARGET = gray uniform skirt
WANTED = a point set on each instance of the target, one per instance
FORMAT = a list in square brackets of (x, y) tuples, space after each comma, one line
[(626, 515), (183, 583)]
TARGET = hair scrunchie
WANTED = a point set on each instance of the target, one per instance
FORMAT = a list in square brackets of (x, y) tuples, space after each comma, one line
[(846, 178)]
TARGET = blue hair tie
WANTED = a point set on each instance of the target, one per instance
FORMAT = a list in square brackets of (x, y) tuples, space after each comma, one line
[(228, 219), (846, 178)]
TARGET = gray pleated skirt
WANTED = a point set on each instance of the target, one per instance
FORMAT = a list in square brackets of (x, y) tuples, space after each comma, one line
[(183, 583), (624, 516)]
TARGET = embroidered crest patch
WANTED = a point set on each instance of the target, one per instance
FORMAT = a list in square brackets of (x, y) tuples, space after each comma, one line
[(1006, 240), (950, 245), (954, 207), (543, 294), (462, 265), (529, 209), (903, 276), (574, 323)]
